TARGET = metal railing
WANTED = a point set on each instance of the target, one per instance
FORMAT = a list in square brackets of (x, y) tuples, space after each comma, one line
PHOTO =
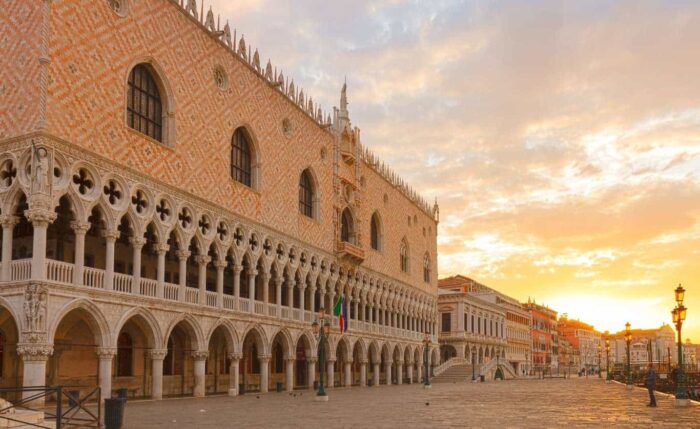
[(77, 413)]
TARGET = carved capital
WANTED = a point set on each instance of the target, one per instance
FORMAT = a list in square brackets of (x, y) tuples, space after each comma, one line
[(220, 264), (202, 259), (200, 355), (112, 235), (157, 354), (137, 242), (8, 221), (237, 269), (161, 248), (235, 356), (253, 273), (106, 353), (40, 216), (80, 228), (182, 254), (34, 351), (264, 359)]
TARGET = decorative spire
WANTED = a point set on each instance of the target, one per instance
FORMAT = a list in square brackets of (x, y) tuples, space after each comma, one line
[(209, 23), (241, 48), (256, 61), (343, 114), (227, 35), (192, 8)]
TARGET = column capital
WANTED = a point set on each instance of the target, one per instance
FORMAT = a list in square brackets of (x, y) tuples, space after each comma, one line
[(40, 216), (237, 269), (312, 360), (8, 220), (290, 359), (235, 356), (182, 254), (34, 351), (161, 248), (137, 242), (112, 234), (253, 273), (79, 227), (200, 355), (264, 358), (157, 354), (202, 259), (220, 264), (106, 353)]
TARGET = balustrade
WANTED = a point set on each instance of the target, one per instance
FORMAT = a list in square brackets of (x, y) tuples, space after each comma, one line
[(62, 272)]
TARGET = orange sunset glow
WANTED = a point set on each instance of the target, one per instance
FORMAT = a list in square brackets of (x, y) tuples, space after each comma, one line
[(560, 139)]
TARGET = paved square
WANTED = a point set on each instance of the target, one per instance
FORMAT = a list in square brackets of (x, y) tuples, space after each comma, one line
[(523, 403)]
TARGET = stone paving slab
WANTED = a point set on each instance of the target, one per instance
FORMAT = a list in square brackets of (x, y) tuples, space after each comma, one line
[(555, 403)]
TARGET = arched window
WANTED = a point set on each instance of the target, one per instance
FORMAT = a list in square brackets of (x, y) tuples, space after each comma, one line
[(403, 252), (375, 232), (125, 349), (144, 110), (426, 268), (306, 194), (241, 158), (346, 227)]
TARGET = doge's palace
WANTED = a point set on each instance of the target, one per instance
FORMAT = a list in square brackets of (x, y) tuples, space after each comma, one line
[(176, 212)]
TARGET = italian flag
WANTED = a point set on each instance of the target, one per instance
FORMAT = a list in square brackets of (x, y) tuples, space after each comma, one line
[(340, 309)]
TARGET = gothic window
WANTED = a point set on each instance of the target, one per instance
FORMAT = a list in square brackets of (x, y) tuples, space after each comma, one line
[(375, 232), (306, 194), (346, 227), (241, 158), (125, 349), (403, 253), (144, 110), (426, 268)]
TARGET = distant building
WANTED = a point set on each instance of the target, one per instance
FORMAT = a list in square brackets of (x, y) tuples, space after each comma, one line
[(584, 340), (690, 354), (569, 357), (517, 323), (656, 346), (545, 338)]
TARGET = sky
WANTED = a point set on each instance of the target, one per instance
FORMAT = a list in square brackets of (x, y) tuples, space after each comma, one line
[(561, 139)]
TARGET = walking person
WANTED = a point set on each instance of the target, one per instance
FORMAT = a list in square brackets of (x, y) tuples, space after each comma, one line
[(651, 385)]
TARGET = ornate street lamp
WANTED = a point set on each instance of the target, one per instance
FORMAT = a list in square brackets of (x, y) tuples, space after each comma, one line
[(678, 314), (607, 357), (426, 344), (473, 364), (628, 340), (599, 372), (321, 328)]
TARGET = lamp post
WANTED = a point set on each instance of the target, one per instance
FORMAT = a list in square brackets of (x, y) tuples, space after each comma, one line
[(628, 340), (473, 364), (599, 371), (678, 314), (426, 344), (607, 358), (321, 328)]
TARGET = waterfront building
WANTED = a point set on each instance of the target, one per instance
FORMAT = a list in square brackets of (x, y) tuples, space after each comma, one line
[(584, 340), (656, 346), (175, 212), (545, 338)]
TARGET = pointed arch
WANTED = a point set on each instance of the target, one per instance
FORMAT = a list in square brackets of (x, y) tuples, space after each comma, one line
[(230, 334), (308, 194), (245, 162), (376, 232), (192, 328), (258, 335), (404, 255), (149, 101), (347, 226), (146, 321), (95, 319)]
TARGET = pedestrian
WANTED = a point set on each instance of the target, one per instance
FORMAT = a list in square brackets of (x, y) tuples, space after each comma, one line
[(651, 385)]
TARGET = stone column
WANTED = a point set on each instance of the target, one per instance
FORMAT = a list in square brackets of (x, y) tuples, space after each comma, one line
[(202, 261), (157, 356), (34, 357), (387, 371), (8, 225), (290, 292), (105, 356), (79, 230), (399, 372), (419, 375), (302, 297), (409, 372), (233, 374), (375, 375), (289, 374), (348, 374), (264, 373), (182, 256), (237, 281), (137, 243), (110, 238), (311, 372), (220, 266), (200, 359), (330, 373), (266, 287), (251, 289), (312, 299), (278, 293), (161, 250), (40, 219), (357, 309), (363, 373)]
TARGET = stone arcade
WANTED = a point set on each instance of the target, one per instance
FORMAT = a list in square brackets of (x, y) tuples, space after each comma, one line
[(174, 215)]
